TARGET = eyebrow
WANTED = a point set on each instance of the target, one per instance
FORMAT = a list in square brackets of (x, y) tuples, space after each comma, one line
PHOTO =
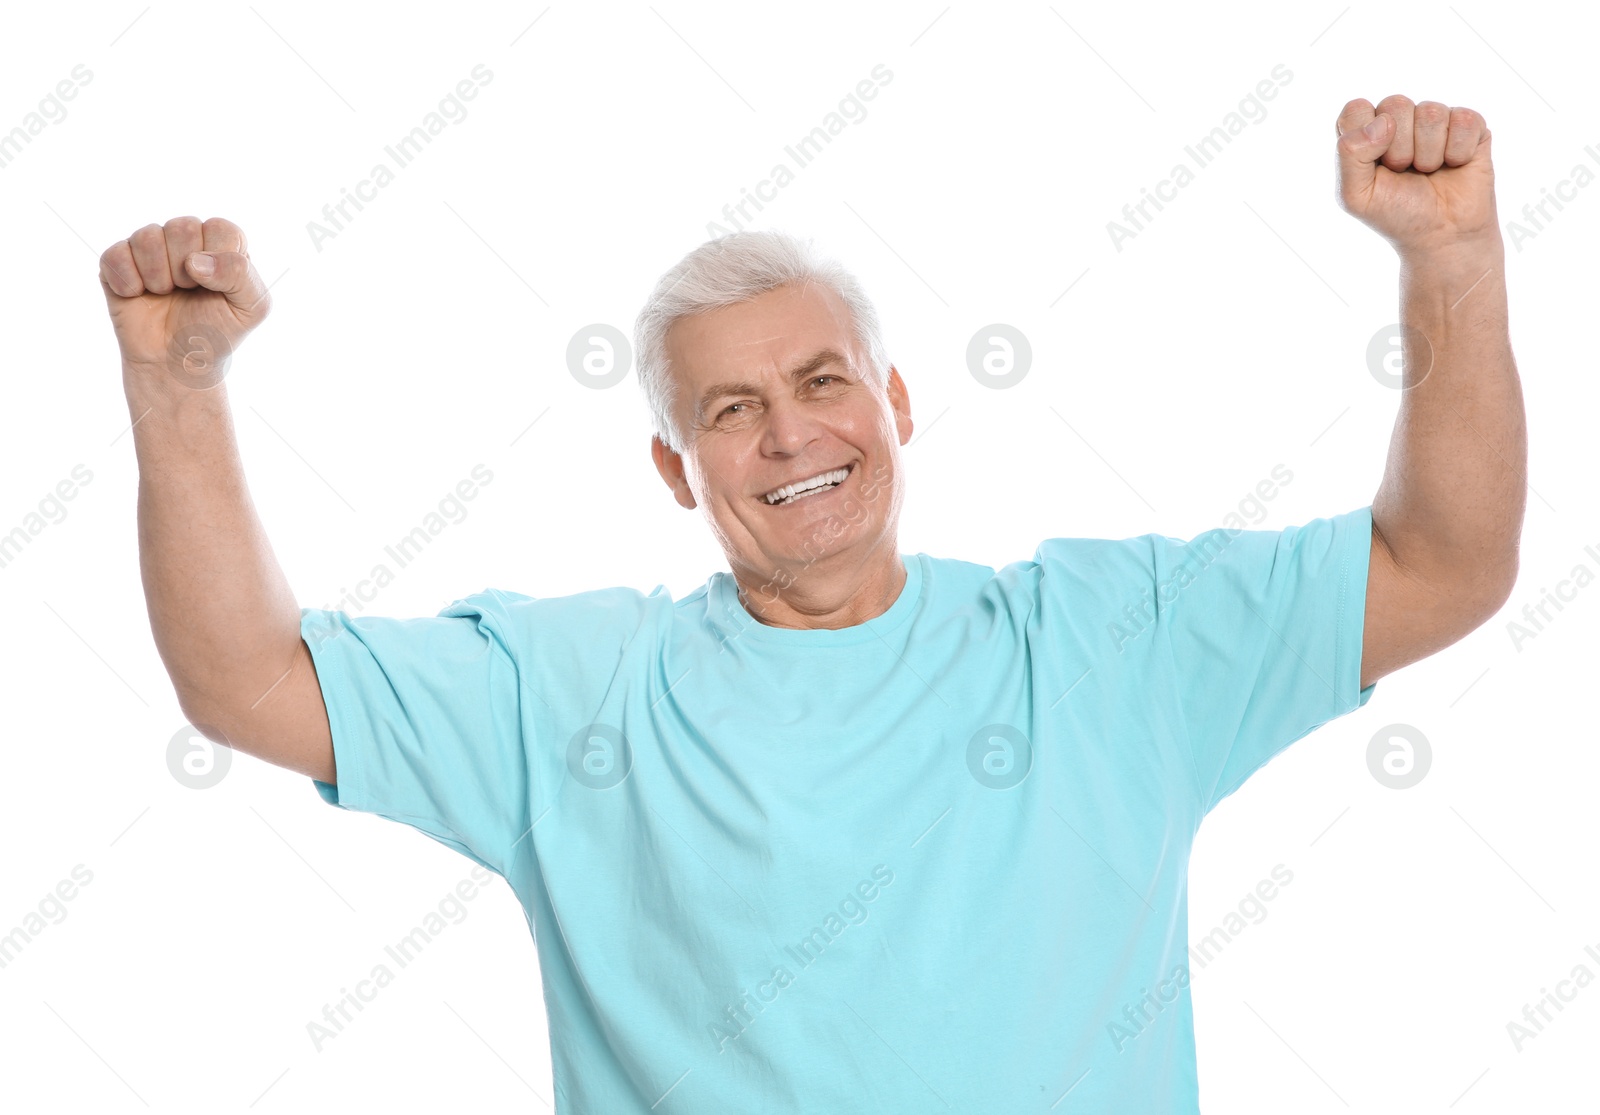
[(819, 359)]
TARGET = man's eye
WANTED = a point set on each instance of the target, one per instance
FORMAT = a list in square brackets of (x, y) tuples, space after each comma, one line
[(733, 408)]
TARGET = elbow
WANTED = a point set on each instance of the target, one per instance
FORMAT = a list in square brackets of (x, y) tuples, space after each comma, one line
[(213, 715), (204, 717), (1480, 594), (1478, 562), (1497, 581), (1475, 586)]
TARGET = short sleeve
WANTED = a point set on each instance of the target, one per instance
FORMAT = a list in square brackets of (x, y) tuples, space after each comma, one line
[(1265, 632), (426, 722)]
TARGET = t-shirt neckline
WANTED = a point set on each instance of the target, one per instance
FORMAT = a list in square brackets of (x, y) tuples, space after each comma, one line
[(725, 592)]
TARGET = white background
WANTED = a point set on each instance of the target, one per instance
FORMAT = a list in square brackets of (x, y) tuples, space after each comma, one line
[(1227, 337)]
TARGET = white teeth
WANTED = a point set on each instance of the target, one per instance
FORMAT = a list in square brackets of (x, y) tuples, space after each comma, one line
[(789, 493)]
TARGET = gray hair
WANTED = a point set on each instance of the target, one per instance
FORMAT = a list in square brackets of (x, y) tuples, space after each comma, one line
[(725, 271)]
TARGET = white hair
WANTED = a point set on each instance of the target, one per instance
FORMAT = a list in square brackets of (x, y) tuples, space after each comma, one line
[(725, 271)]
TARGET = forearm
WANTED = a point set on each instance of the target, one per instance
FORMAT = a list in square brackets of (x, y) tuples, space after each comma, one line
[(1451, 503), (225, 622)]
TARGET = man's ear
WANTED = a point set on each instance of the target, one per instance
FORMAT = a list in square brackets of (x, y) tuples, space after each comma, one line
[(670, 465), (900, 402)]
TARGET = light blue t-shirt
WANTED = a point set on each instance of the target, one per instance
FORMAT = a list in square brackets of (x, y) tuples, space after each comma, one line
[(934, 862)]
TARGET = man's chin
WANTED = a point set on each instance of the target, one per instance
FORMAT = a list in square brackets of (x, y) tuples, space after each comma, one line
[(817, 546)]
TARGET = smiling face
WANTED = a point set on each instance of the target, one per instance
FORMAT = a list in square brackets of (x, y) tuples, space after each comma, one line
[(792, 446)]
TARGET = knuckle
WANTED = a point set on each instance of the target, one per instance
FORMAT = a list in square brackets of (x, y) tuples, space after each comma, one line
[(1432, 112), (1355, 110), (1395, 101), (183, 224)]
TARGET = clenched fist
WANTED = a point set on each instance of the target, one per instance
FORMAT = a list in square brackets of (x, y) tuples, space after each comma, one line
[(1418, 174), (182, 296)]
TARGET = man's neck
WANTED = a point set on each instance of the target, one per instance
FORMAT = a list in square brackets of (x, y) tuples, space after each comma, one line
[(829, 598)]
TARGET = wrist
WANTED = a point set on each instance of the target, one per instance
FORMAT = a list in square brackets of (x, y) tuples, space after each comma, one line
[(158, 387), (1456, 257)]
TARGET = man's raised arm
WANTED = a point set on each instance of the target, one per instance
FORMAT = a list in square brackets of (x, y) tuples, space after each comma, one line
[(1447, 517), (181, 298)]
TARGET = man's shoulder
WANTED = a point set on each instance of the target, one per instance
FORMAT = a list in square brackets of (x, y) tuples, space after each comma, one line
[(1146, 553), (593, 605), (590, 617), (1075, 569), (1090, 555)]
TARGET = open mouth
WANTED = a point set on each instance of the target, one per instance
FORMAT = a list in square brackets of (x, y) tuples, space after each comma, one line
[(812, 485)]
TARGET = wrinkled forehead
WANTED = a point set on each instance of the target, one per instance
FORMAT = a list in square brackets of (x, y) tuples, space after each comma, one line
[(764, 336)]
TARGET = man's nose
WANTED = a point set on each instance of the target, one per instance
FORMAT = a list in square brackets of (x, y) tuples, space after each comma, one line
[(788, 427)]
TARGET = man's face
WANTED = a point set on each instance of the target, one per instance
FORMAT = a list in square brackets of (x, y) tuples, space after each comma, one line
[(773, 392)]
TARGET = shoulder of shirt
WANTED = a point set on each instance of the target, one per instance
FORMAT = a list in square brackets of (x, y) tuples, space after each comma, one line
[(1248, 552), (591, 615), (1093, 565), (1086, 565), (592, 604), (1101, 555), (1145, 549)]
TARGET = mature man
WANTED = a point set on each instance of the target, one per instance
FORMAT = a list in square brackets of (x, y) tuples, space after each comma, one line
[(845, 829)]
